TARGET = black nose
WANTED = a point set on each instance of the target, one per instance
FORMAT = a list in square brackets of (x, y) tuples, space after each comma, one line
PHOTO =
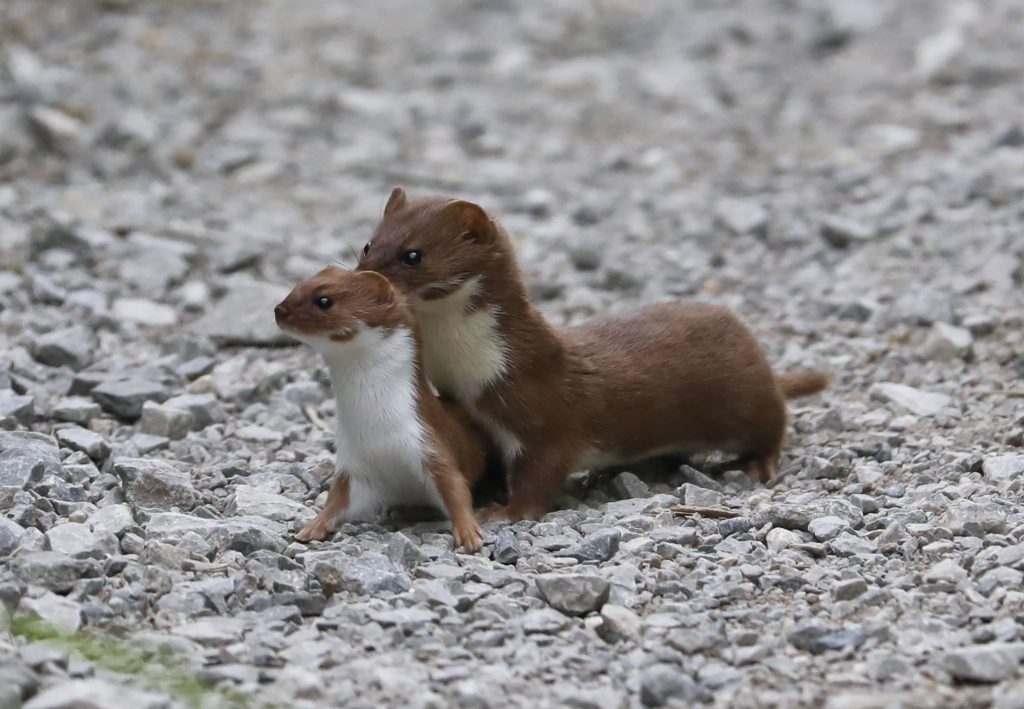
[(280, 310)]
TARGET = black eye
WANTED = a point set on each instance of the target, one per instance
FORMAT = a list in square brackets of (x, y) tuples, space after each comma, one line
[(412, 258), (366, 249), (323, 302)]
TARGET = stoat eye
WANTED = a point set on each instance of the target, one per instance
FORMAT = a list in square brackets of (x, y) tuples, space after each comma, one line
[(366, 249), (412, 258), (323, 302)]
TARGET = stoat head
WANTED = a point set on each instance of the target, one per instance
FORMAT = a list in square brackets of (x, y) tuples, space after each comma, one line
[(430, 247), (329, 309)]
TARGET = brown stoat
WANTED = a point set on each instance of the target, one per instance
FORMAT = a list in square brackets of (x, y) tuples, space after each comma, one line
[(667, 378), (397, 443)]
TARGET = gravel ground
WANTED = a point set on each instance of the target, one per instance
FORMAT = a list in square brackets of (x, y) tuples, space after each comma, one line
[(848, 175)]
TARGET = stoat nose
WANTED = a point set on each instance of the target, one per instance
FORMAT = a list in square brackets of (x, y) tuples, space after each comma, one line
[(280, 311)]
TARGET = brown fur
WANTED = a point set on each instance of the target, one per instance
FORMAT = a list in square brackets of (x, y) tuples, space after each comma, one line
[(458, 449), (677, 377)]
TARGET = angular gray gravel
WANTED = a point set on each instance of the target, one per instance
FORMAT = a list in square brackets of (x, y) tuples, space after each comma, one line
[(848, 175)]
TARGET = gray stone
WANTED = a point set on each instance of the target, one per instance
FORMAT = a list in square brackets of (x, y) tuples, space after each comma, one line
[(969, 518), (76, 409), (259, 503), (163, 420), (144, 312), (78, 540), (72, 347), (742, 216), (599, 546), (842, 232), (947, 342), (985, 664), (56, 130), (96, 694), (404, 552), (25, 457), (779, 539), (52, 570), (59, 612), (82, 439), (543, 621), (245, 316), (10, 537), (1003, 467), (849, 589), (19, 408), (369, 573), (848, 544), (697, 496), (946, 571), (627, 485), (789, 517), (828, 527), (154, 483), (573, 594), (125, 397), (663, 684), (242, 534), (506, 547), (917, 402), (205, 409), (618, 623), (1000, 577), (113, 519)]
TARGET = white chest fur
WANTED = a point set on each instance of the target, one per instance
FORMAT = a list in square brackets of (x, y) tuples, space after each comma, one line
[(381, 442), (463, 350)]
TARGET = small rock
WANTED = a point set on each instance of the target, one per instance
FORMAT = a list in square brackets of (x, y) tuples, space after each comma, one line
[(125, 397), (1003, 467), (259, 503), (697, 496), (76, 409), (573, 594), (1000, 577), (599, 546), (946, 571), (849, 589), (154, 483), (664, 683), (19, 408), (95, 694), (71, 347), (826, 528), (79, 541), (245, 316), (779, 539), (842, 233), (917, 402), (936, 57), (260, 434), (947, 342), (52, 570), (58, 611), (10, 537), (742, 216), (976, 519), (163, 420), (370, 573), (627, 485), (847, 544), (82, 439), (404, 552), (985, 664), (506, 547), (144, 312), (56, 130), (618, 623)]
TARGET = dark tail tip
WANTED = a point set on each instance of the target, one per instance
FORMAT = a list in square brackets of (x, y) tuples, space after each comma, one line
[(798, 384)]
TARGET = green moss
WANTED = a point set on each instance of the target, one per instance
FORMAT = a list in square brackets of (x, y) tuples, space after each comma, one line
[(116, 656)]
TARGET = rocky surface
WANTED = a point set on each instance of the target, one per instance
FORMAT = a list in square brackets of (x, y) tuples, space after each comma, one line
[(846, 174)]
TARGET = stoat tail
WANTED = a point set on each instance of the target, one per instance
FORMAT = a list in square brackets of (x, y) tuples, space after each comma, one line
[(798, 384)]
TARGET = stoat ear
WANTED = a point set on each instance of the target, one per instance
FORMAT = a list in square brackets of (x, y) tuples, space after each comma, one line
[(377, 286), (397, 200), (473, 220)]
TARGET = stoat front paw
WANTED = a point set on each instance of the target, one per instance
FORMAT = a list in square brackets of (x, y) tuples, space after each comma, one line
[(317, 530), (468, 534)]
